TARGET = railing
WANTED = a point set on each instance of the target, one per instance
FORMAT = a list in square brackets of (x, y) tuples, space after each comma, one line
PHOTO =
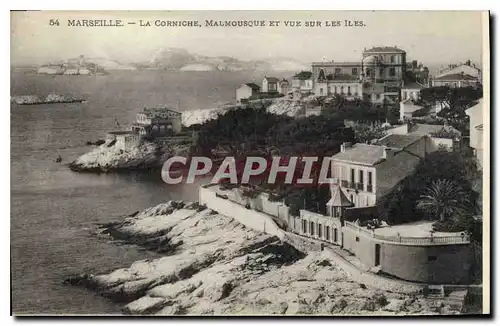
[(438, 240)]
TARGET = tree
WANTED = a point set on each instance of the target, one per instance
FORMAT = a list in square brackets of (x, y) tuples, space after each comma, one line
[(443, 199), (454, 102)]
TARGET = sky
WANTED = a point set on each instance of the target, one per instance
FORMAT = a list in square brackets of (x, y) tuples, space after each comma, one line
[(433, 37)]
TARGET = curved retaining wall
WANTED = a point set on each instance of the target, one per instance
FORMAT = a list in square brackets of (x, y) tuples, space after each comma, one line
[(449, 264)]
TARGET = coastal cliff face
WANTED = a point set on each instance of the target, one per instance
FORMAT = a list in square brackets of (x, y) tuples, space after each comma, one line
[(107, 157), (215, 266)]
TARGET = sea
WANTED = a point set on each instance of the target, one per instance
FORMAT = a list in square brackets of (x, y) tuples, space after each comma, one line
[(54, 211)]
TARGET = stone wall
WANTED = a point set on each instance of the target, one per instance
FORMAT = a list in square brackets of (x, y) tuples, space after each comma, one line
[(447, 264), (248, 217)]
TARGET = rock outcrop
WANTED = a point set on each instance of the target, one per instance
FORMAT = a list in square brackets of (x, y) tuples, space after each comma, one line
[(216, 266), (108, 157)]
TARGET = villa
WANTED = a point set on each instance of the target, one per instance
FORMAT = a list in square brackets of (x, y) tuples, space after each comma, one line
[(378, 75), (158, 122)]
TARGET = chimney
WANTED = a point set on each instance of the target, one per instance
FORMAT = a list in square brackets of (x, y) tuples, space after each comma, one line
[(386, 152), (343, 147)]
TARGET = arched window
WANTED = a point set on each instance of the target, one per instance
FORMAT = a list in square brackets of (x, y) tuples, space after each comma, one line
[(311, 228), (348, 90), (393, 58), (368, 72), (341, 89)]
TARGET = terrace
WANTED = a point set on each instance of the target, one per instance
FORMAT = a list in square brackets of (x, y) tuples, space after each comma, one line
[(415, 233)]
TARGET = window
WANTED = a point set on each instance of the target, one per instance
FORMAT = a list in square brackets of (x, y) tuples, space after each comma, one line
[(454, 84), (392, 72), (352, 175), (405, 95), (377, 96), (357, 239), (304, 226), (354, 71), (361, 176), (337, 71), (381, 72), (352, 199), (368, 72), (311, 228), (327, 233), (321, 91), (348, 90), (335, 88), (320, 230), (432, 258), (341, 89), (393, 58)]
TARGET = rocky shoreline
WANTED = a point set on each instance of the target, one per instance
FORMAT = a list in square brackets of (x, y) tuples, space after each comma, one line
[(146, 156), (213, 265)]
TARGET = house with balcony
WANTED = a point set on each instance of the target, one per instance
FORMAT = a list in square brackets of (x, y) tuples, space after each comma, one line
[(157, 122), (345, 85), (366, 173), (378, 75)]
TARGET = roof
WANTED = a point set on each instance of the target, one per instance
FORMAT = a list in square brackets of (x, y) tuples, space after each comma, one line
[(412, 85), (337, 64), (423, 129), (383, 49), (452, 77), (339, 199), (272, 79), (253, 86), (398, 141), (362, 154)]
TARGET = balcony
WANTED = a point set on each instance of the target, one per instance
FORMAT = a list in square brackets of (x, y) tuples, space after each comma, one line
[(369, 188)]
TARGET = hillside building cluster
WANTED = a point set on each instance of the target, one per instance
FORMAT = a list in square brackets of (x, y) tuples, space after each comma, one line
[(361, 175)]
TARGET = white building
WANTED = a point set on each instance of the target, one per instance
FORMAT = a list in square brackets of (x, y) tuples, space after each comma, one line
[(475, 114), (247, 91), (269, 85)]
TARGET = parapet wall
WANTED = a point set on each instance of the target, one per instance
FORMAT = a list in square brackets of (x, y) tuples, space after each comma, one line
[(248, 217)]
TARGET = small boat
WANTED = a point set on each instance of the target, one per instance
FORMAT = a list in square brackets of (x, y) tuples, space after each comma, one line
[(59, 159)]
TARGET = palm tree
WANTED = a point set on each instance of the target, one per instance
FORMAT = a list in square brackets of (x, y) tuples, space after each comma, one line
[(443, 198)]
